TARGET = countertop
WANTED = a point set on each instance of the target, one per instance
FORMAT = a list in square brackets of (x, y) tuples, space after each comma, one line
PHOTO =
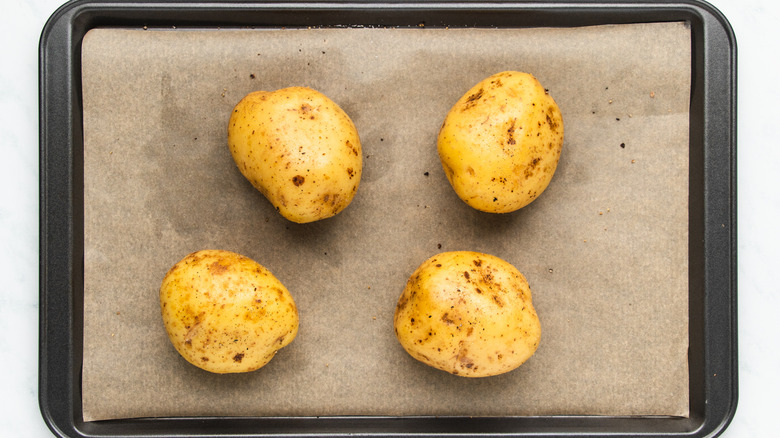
[(758, 37)]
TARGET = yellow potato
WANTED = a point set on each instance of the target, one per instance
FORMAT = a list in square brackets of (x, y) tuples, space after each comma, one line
[(299, 149), (469, 314), (225, 313), (500, 143)]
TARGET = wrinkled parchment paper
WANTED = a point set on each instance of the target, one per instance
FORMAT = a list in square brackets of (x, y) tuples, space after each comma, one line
[(604, 248)]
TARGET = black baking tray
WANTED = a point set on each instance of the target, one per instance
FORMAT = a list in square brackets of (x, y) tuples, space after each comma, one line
[(712, 210)]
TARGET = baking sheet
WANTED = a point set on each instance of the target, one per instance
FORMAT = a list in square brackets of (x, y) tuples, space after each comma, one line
[(604, 248)]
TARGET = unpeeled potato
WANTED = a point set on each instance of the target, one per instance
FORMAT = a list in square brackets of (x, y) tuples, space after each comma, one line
[(225, 313), (299, 149), (469, 314), (500, 143)]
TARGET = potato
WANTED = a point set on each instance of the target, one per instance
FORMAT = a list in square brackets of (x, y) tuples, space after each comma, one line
[(299, 149), (469, 314), (225, 313), (500, 143)]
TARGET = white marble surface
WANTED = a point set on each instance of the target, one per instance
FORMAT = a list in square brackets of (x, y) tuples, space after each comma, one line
[(756, 25)]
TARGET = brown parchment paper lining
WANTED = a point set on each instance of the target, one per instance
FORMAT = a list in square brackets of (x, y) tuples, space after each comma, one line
[(604, 248)]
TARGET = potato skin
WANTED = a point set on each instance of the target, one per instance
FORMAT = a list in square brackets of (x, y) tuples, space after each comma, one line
[(299, 149), (469, 314), (500, 143), (225, 313)]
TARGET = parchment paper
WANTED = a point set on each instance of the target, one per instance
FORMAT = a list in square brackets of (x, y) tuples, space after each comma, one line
[(604, 247)]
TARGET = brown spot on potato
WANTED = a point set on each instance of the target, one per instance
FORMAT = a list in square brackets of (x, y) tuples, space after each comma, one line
[(217, 268), (446, 319), (331, 198), (403, 302), (550, 119), (238, 357), (350, 172), (424, 357), (466, 274), (353, 148), (511, 133), (204, 359), (477, 262), (498, 301), (531, 168), (298, 180), (192, 331), (471, 100), (194, 258), (464, 360)]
